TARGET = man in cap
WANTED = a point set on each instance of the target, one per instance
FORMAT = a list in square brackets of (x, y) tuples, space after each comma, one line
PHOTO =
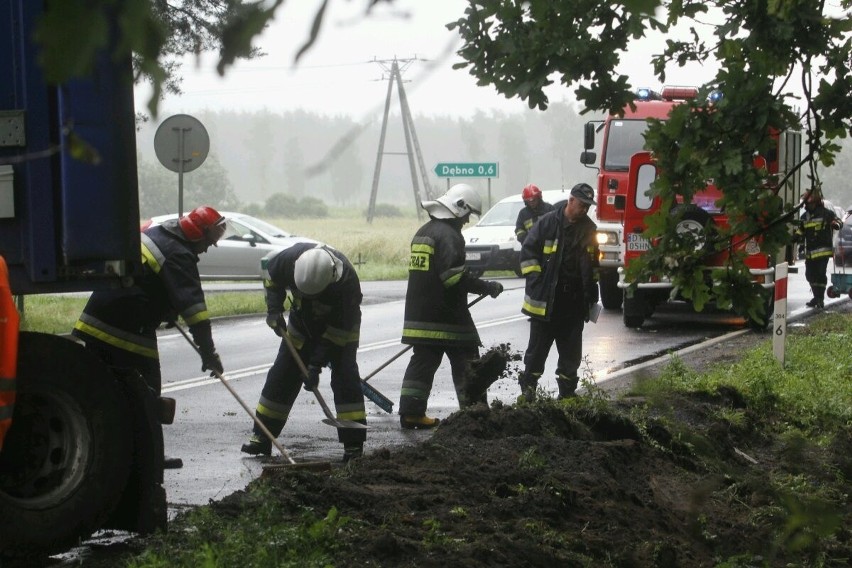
[(559, 259), (324, 326), (120, 325), (437, 318)]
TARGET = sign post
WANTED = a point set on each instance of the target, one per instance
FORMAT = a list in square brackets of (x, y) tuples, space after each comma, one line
[(779, 323), (469, 169)]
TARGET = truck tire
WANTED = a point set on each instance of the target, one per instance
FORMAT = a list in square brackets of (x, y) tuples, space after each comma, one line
[(66, 458), (694, 220), (762, 323), (611, 294)]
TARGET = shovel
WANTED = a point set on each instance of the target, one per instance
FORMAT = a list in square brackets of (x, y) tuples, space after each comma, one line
[(329, 417), (404, 350), (261, 425)]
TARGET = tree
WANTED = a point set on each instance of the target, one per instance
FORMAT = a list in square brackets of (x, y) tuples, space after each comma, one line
[(763, 49), (207, 185)]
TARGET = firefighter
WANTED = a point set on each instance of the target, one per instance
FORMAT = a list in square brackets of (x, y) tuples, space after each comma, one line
[(120, 325), (815, 229), (324, 326), (437, 319), (559, 259), (534, 207)]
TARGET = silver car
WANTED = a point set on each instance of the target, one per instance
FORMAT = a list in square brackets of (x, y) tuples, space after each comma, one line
[(238, 253)]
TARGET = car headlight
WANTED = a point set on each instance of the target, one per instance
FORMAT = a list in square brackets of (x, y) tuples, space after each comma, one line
[(607, 238)]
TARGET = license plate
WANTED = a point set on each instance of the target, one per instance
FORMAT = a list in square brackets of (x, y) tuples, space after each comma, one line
[(472, 256), (636, 242)]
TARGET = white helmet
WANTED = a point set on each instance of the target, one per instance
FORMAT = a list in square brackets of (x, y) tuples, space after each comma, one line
[(315, 269), (460, 200)]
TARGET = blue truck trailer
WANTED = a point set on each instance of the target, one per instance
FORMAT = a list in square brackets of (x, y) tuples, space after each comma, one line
[(82, 443)]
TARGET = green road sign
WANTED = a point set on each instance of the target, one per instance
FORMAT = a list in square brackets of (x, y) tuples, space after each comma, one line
[(470, 170)]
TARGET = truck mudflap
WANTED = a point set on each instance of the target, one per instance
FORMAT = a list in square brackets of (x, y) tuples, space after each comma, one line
[(9, 321), (68, 457)]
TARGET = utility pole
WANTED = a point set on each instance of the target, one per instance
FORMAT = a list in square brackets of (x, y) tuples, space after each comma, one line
[(395, 67)]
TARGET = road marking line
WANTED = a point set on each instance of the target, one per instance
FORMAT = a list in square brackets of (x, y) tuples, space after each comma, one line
[(258, 369)]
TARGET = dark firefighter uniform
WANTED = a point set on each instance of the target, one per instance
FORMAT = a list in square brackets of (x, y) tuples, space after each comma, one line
[(437, 318), (560, 260), (120, 324), (815, 229), (527, 217), (325, 329)]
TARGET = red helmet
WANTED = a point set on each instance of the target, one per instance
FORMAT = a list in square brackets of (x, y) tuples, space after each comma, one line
[(531, 192), (203, 222)]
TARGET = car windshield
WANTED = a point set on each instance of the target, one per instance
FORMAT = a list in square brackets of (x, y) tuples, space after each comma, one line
[(265, 227), (501, 214)]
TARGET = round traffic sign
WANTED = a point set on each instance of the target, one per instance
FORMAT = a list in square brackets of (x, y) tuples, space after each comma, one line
[(181, 143)]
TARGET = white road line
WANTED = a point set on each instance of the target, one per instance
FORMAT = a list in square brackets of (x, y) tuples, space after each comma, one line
[(262, 369)]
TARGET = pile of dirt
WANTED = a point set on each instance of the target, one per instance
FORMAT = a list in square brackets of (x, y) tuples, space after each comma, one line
[(564, 484), (682, 481)]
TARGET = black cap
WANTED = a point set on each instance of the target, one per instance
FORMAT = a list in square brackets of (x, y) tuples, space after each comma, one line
[(584, 193)]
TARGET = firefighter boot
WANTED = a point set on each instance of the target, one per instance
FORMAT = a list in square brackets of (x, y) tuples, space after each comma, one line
[(352, 451), (529, 384), (412, 422), (567, 386), (257, 445)]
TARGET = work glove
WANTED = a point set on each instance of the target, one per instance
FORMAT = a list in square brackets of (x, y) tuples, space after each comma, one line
[(312, 380), (494, 288), (212, 362), (277, 323)]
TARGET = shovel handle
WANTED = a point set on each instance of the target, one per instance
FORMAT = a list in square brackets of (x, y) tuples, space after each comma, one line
[(257, 421), (326, 410)]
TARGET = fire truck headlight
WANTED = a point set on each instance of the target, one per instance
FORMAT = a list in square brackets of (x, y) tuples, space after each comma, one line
[(606, 238)]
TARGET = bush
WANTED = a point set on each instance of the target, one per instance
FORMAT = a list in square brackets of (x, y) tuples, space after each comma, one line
[(385, 210), (290, 207)]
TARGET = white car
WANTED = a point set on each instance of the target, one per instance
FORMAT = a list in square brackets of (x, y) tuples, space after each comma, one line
[(491, 244), (238, 253)]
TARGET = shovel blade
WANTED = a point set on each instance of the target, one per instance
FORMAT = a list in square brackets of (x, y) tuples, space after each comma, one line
[(375, 396), (345, 424)]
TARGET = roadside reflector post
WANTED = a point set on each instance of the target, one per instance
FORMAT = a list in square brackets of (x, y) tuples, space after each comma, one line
[(779, 322)]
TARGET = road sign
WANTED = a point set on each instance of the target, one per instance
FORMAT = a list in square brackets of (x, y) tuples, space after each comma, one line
[(471, 170), (181, 143)]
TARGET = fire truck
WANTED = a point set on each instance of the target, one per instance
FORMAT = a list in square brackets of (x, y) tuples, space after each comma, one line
[(625, 174), (81, 444)]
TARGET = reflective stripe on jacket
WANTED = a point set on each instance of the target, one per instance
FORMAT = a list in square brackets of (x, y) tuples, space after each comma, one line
[(527, 218), (542, 256), (127, 318), (815, 228), (436, 311), (333, 316)]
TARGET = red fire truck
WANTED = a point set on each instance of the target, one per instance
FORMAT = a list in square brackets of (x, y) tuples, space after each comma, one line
[(625, 174)]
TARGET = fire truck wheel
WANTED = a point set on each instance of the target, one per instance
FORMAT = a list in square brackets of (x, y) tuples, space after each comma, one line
[(66, 459), (633, 320), (694, 220)]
